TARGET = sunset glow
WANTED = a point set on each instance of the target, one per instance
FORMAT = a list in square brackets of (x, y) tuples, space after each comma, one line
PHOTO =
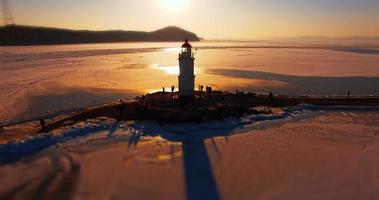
[(210, 19), (173, 5)]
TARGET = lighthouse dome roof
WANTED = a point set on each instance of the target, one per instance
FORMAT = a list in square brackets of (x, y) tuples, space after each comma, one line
[(186, 44)]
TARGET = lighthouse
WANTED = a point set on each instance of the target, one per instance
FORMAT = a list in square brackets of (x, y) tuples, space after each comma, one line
[(187, 72)]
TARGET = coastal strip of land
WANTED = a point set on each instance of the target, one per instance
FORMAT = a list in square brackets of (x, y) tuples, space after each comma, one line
[(165, 107)]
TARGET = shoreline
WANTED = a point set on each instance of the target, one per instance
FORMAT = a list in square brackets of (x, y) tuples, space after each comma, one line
[(166, 108)]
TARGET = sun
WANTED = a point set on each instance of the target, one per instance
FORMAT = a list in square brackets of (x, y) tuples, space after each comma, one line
[(173, 5)]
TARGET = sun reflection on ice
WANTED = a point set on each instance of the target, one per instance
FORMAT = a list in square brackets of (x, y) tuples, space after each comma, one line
[(172, 70), (177, 50)]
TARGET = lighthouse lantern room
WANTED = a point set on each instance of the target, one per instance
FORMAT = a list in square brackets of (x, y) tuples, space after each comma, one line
[(187, 72)]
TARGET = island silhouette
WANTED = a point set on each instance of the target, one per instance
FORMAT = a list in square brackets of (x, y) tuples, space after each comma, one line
[(14, 35)]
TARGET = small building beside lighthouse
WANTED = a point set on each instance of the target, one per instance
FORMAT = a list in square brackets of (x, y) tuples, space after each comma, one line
[(187, 72)]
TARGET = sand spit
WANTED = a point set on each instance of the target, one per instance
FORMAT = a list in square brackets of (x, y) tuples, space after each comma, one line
[(166, 108)]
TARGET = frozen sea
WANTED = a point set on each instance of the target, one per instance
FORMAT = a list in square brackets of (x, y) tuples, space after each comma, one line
[(302, 152), (44, 80)]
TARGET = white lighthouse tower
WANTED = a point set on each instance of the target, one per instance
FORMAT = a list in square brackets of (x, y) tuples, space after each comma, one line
[(187, 72)]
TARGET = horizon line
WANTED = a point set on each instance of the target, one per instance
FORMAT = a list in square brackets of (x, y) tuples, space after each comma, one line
[(206, 39)]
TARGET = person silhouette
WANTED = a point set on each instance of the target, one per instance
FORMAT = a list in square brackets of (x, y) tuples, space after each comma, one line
[(163, 89), (348, 94), (172, 89), (209, 90), (271, 96), (42, 122)]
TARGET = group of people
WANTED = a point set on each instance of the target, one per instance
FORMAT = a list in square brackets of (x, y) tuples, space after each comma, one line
[(208, 89), (172, 89)]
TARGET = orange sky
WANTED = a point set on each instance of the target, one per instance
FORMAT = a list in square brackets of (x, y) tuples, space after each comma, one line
[(211, 19)]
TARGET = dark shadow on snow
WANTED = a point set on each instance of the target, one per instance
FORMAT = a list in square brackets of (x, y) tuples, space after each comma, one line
[(12, 152), (306, 85), (200, 183), (360, 50)]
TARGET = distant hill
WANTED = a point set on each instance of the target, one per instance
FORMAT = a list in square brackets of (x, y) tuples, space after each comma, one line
[(313, 38), (12, 35)]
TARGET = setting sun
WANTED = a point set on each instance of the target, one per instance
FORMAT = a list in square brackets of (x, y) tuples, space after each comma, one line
[(173, 5)]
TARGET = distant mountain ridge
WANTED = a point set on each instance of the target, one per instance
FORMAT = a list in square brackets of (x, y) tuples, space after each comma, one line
[(12, 35), (324, 38)]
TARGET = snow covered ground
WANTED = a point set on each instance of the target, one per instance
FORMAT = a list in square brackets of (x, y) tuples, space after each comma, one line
[(303, 152)]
